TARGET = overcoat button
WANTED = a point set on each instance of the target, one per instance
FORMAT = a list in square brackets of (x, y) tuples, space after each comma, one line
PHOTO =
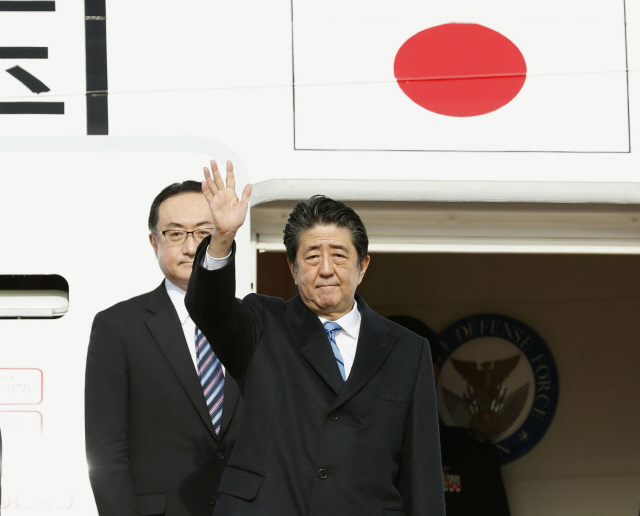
[(323, 473), (220, 455), (212, 500), (333, 415)]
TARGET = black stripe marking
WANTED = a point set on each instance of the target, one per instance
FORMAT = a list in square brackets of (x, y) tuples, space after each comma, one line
[(31, 82), (24, 52), (28, 6), (31, 108), (96, 64), (94, 8), (97, 113)]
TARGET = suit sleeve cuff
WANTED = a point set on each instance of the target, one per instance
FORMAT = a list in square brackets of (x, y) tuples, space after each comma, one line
[(213, 264)]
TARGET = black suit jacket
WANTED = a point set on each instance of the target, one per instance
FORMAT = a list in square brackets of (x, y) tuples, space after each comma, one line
[(150, 443), (311, 444)]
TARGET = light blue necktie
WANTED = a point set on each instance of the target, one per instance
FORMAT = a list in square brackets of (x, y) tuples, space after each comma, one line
[(331, 328), (211, 379)]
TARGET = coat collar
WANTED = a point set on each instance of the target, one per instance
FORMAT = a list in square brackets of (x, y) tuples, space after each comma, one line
[(165, 327), (306, 330), (375, 341)]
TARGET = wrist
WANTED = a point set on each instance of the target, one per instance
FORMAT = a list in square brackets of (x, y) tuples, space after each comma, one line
[(220, 244)]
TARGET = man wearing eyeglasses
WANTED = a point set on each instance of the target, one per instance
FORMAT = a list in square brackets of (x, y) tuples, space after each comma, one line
[(161, 417)]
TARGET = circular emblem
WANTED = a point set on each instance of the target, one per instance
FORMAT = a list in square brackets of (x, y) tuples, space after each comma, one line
[(498, 378)]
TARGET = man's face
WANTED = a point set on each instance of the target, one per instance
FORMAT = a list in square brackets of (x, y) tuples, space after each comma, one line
[(187, 211), (328, 271)]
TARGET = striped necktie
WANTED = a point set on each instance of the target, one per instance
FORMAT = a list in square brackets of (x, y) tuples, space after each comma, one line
[(331, 328), (211, 379)]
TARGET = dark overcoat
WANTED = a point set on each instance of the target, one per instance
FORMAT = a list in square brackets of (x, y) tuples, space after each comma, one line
[(309, 443)]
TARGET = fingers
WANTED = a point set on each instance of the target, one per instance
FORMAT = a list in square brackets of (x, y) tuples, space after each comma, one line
[(208, 186), (246, 193), (214, 185), (231, 180), (217, 178), (207, 193)]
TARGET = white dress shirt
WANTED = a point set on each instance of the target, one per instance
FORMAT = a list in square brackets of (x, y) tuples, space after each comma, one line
[(346, 337), (176, 294)]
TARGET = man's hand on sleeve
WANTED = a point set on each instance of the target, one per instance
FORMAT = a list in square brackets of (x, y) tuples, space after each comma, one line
[(228, 212)]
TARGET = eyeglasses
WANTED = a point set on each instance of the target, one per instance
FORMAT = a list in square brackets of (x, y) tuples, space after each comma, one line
[(179, 236)]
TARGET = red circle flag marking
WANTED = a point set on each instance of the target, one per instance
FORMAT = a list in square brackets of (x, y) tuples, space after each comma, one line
[(460, 69)]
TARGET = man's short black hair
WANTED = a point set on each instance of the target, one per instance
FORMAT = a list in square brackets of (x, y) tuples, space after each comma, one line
[(323, 211), (188, 186), (417, 326)]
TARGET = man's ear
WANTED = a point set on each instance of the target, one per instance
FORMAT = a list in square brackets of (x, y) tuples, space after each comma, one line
[(293, 271), (363, 267), (153, 240)]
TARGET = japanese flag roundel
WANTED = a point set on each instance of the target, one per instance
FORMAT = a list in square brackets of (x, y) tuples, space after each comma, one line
[(490, 75), (460, 69)]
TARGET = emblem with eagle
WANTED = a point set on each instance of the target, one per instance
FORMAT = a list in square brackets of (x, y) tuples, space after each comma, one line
[(497, 377), (489, 406)]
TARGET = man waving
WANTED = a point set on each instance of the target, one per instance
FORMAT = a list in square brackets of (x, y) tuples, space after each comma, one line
[(340, 405)]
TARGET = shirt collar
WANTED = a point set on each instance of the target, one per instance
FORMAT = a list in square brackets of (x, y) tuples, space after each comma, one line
[(350, 322), (176, 294)]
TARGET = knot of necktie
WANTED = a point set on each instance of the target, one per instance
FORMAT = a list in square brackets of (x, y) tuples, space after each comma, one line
[(331, 328)]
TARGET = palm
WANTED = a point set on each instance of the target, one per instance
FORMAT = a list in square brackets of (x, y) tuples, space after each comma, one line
[(227, 210)]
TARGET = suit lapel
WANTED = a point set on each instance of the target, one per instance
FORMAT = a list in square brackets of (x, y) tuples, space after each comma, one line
[(375, 342), (165, 328), (231, 395), (307, 331)]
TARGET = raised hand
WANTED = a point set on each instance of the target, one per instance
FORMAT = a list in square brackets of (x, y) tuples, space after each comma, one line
[(228, 212)]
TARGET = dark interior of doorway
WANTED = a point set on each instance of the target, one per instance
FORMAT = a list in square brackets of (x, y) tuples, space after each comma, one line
[(440, 288)]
